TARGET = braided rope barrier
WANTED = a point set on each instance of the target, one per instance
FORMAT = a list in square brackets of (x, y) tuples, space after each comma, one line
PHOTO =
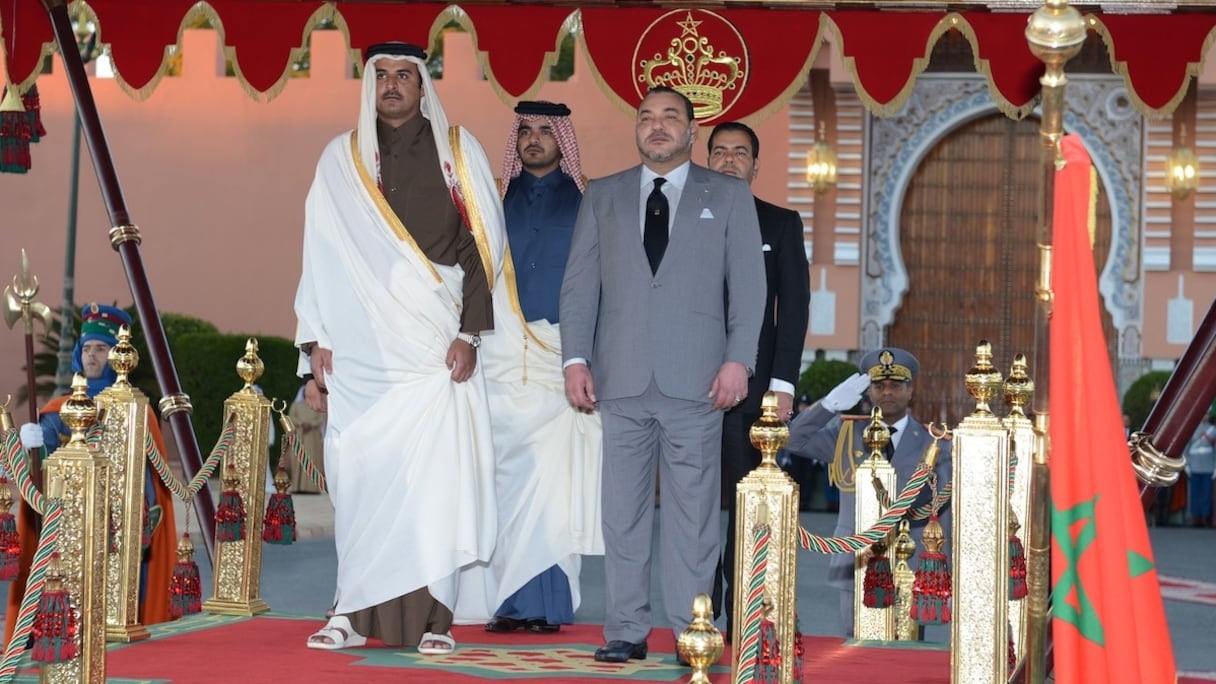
[(17, 463), (749, 645), (310, 469), (879, 530), (187, 492)]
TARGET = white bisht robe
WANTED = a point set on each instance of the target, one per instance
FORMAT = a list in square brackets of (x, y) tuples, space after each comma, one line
[(548, 453), (408, 455)]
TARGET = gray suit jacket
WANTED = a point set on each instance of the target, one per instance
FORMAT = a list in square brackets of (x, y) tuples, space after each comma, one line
[(813, 435), (679, 326)]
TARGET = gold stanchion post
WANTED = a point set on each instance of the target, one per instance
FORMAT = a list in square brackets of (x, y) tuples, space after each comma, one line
[(76, 475), (767, 496), (238, 564), (980, 503), (1019, 389), (872, 624), (122, 411)]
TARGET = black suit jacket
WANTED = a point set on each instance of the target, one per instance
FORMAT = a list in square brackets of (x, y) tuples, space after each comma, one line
[(783, 331)]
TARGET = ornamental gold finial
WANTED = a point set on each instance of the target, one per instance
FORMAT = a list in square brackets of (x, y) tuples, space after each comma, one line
[(250, 366), (78, 412), (769, 434), (701, 644), (983, 380), (19, 304), (1055, 32), (6, 418), (1019, 388), (876, 435), (123, 357)]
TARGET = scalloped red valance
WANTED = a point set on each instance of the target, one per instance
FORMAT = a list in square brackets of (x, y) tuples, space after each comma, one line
[(741, 61)]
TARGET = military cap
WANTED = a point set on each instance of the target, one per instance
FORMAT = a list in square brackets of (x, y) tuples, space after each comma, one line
[(889, 363)]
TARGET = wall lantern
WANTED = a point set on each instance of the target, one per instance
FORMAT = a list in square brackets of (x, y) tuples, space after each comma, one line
[(821, 163), (1182, 169)]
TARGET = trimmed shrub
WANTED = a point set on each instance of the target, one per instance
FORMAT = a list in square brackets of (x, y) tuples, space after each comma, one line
[(206, 364), (822, 375), (1140, 397)]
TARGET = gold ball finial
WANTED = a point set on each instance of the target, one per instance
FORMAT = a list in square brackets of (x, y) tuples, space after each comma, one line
[(769, 434), (249, 367), (701, 644), (123, 357), (78, 412), (1019, 388), (983, 380), (1055, 32), (876, 435)]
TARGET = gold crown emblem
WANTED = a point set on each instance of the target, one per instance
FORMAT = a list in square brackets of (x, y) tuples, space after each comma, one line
[(691, 67)]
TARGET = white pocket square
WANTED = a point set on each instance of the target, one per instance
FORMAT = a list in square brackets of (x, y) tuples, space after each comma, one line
[(706, 213), (766, 248)]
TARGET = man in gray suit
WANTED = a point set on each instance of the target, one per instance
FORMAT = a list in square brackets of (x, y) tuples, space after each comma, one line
[(660, 308), (887, 376)]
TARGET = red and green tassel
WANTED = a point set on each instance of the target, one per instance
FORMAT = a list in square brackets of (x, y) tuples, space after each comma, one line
[(33, 112), (185, 587), (879, 583), (54, 630), (15, 134), (279, 525), (230, 514), (931, 588), (10, 541), (770, 654)]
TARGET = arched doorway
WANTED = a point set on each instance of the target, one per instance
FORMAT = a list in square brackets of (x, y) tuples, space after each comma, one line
[(967, 225)]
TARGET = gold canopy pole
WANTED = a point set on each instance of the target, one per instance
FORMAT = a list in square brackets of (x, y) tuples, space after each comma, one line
[(1055, 33)]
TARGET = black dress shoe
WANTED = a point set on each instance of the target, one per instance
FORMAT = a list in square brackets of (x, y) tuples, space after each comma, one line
[(620, 651), (539, 626), (502, 625)]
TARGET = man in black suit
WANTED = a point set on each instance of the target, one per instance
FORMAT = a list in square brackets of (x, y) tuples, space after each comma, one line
[(734, 150)]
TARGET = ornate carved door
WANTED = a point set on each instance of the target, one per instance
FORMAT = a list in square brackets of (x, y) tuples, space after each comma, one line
[(966, 233)]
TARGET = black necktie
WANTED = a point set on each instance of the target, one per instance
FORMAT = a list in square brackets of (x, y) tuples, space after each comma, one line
[(654, 239), (889, 449)]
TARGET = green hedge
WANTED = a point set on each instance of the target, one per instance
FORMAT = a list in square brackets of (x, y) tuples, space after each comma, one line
[(206, 364), (822, 375), (1139, 399)]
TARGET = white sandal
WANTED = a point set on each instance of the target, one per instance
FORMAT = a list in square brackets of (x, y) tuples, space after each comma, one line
[(340, 634), (428, 637)]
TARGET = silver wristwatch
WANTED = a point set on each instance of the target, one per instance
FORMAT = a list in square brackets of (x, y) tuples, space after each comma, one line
[(473, 339)]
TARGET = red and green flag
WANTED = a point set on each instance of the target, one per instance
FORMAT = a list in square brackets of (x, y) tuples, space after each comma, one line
[(1108, 619)]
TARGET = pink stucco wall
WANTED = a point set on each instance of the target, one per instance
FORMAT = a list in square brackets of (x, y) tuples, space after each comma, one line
[(216, 181)]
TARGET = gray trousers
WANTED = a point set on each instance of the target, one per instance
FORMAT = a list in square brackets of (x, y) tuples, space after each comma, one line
[(682, 440)]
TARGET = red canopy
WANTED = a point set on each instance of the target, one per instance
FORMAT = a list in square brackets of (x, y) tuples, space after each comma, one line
[(753, 57)]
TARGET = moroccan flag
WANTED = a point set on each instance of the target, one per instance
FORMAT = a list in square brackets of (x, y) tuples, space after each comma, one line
[(1109, 622)]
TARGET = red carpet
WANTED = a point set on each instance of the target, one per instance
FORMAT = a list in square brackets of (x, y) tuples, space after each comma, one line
[(209, 648), (271, 649)]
